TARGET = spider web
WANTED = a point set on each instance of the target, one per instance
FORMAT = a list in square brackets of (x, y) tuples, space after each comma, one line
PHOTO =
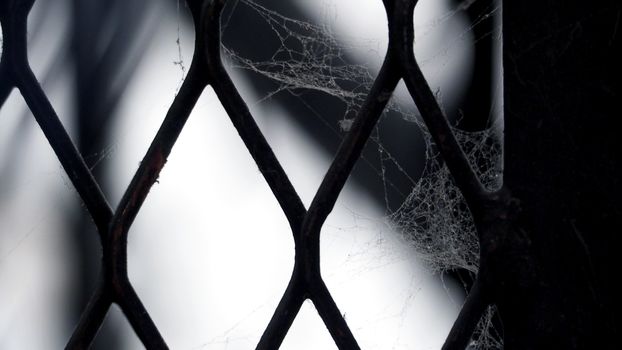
[(434, 218), (310, 57)]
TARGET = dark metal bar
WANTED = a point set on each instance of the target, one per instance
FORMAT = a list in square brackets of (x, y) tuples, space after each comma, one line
[(147, 174), (284, 315), (92, 318), (137, 315), (244, 123), (467, 320), (332, 317), (402, 33), (348, 154), (15, 63), (478, 199), (68, 155)]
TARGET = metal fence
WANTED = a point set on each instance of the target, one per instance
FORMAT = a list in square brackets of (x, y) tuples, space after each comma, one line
[(206, 69)]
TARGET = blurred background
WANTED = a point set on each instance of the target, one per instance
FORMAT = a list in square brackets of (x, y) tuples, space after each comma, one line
[(211, 233)]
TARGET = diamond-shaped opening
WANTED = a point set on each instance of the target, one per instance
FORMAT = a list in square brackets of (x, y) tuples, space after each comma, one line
[(210, 252), (308, 331), (385, 293), (116, 332)]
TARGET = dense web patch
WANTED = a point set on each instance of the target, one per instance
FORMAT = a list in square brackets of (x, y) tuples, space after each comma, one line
[(434, 218)]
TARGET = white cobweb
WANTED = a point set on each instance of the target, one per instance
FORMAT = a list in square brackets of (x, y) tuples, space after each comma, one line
[(310, 57), (434, 218)]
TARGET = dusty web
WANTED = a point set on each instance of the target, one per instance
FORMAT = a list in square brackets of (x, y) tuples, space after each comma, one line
[(434, 218), (436, 221)]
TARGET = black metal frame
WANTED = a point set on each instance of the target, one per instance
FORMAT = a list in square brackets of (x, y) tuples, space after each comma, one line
[(207, 69)]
